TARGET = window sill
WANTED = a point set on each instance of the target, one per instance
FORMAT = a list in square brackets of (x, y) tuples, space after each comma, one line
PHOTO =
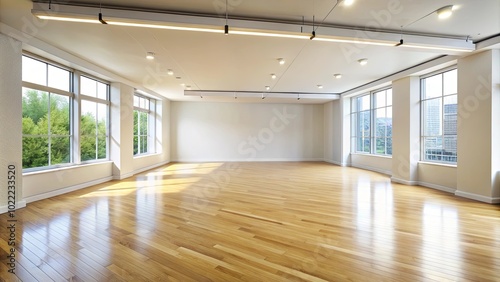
[(64, 167), (146, 155), (438, 164), (372, 155)]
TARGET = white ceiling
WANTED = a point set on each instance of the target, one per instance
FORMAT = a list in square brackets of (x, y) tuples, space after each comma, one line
[(244, 63)]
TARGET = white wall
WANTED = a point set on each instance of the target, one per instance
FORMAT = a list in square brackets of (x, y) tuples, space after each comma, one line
[(246, 132), (10, 120), (380, 164), (478, 130), (438, 176), (45, 184)]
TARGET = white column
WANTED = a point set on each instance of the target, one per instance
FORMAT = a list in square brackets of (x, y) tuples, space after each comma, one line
[(122, 130), (10, 118), (405, 130), (479, 127)]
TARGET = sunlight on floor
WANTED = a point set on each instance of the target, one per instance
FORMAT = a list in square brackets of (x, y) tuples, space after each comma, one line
[(166, 180)]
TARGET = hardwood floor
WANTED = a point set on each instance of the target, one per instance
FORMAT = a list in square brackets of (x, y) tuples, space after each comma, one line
[(255, 222)]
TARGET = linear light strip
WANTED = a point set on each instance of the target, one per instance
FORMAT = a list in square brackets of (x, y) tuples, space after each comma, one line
[(83, 19)]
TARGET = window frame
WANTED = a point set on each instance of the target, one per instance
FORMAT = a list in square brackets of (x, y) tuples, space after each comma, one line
[(442, 117), (51, 90), (151, 127), (75, 102), (82, 97), (355, 117)]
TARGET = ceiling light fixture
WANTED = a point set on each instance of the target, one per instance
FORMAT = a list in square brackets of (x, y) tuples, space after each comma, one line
[(170, 72), (337, 75), (268, 88), (226, 27), (363, 61), (257, 27), (188, 87), (150, 56), (263, 97), (348, 2), (273, 76), (298, 97), (281, 61), (100, 14), (320, 86), (445, 12)]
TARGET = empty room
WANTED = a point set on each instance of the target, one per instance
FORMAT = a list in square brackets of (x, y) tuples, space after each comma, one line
[(232, 140)]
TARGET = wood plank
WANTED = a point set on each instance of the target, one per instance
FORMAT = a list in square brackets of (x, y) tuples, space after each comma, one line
[(300, 221)]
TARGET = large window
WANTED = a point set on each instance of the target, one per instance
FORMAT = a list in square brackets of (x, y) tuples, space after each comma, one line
[(51, 134), (372, 123), (46, 114), (144, 124), (94, 119), (439, 117)]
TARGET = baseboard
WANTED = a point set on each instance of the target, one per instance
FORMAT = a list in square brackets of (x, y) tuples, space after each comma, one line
[(477, 197), (376, 169), (249, 160), (404, 182), (123, 176), (437, 187), (335, 162), (66, 190), (149, 167), (19, 205)]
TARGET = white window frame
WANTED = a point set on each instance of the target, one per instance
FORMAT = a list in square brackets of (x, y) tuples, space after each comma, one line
[(151, 111), (422, 115), (355, 112)]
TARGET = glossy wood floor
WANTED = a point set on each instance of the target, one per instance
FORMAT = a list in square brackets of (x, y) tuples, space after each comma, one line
[(255, 222)]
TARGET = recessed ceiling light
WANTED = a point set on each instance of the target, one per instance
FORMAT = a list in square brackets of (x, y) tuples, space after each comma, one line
[(268, 88), (445, 12), (273, 76), (348, 2), (178, 77), (183, 84), (188, 87), (337, 75), (320, 86), (281, 61), (170, 72), (363, 61), (150, 56)]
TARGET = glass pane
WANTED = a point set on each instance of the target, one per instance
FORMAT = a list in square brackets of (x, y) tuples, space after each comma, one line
[(136, 101), (88, 118), (364, 124), (144, 144), (433, 148), (354, 104), (34, 71), (59, 150), (102, 91), (432, 86), (136, 145), (59, 78), (88, 86), (143, 130), (450, 115), (380, 146), (432, 117), (88, 148), (101, 147), (389, 97), (450, 82), (388, 144), (450, 148), (136, 123), (380, 99), (102, 119), (35, 152), (389, 122), (59, 115), (366, 145), (380, 122), (364, 103), (35, 112)]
